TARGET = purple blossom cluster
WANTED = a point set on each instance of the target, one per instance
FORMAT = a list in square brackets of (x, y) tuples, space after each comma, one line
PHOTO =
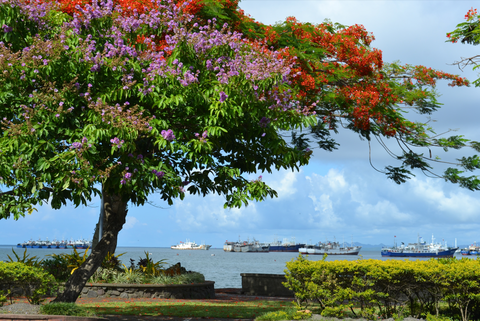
[(7, 29), (159, 174), (117, 142), (168, 135), (264, 122), (126, 178), (202, 138)]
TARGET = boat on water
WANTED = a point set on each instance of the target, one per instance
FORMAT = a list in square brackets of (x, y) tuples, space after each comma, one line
[(285, 246), (473, 249), (420, 249), (190, 246), (246, 247), (330, 248), (46, 244)]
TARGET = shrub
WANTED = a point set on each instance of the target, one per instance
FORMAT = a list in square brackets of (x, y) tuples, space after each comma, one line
[(287, 314), (25, 259), (62, 308), (3, 297), (34, 281), (57, 266)]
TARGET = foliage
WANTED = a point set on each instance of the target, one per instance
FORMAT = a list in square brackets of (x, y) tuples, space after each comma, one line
[(61, 266), (150, 268), (285, 314), (26, 259), (392, 288), (61, 308), (145, 275), (3, 297), (57, 266), (34, 281), (101, 109), (112, 261), (350, 86)]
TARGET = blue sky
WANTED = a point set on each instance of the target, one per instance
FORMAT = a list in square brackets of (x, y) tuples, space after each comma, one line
[(338, 194)]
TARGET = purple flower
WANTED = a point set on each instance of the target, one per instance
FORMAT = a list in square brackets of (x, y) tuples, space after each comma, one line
[(223, 96), (264, 122), (76, 145), (159, 174), (84, 140), (168, 135), (128, 176), (6, 28), (115, 141), (123, 181), (57, 115), (61, 103)]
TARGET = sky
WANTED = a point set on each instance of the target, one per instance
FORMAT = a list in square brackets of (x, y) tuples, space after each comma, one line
[(339, 195)]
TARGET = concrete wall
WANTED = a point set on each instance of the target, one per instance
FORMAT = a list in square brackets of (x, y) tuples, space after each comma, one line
[(166, 291), (265, 285)]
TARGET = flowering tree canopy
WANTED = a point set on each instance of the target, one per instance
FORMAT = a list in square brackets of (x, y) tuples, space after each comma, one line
[(171, 96)]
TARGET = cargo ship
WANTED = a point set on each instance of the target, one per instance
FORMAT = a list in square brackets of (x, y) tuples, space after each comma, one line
[(420, 249), (41, 244), (330, 248), (246, 247), (285, 246), (473, 249)]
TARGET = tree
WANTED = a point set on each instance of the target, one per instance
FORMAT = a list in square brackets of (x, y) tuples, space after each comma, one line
[(167, 96), (92, 100)]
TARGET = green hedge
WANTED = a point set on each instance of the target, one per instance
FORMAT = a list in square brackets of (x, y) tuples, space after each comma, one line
[(374, 288), (34, 281)]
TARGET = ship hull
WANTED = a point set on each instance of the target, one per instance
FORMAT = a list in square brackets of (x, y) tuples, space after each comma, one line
[(328, 253), (283, 248), (440, 254)]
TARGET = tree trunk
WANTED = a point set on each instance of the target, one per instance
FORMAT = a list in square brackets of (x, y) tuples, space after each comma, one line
[(115, 215)]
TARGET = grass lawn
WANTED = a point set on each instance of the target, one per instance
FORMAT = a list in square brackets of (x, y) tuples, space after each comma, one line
[(197, 309)]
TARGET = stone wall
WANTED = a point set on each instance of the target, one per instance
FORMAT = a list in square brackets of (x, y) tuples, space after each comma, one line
[(169, 291), (265, 285)]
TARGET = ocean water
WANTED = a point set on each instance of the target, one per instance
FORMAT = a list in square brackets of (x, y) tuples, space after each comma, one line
[(222, 267)]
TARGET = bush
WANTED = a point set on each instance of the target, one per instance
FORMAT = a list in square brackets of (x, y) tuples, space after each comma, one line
[(62, 308), (57, 266), (388, 288), (34, 281), (3, 297), (288, 314)]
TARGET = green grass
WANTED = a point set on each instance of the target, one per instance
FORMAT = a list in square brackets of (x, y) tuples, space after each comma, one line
[(197, 309), (71, 309)]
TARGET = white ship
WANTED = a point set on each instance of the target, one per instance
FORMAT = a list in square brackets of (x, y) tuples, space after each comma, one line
[(190, 246)]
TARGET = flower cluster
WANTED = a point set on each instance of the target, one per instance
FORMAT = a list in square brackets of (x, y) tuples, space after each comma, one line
[(168, 135), (202, 138), (159, 174), (117, 142)]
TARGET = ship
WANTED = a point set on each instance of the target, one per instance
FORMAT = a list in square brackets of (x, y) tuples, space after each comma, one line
[(190, 246), (46, 244), (420, 249), (246, 247), (473, 249), (285, 246), (330, 248)]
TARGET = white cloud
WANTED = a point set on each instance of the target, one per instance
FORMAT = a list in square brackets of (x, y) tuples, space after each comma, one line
[(130, 223)]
